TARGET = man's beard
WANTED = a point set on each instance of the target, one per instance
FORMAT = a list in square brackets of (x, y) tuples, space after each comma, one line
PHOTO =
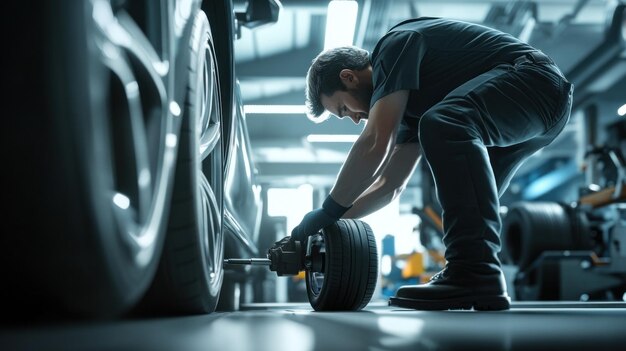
[(364, 96)]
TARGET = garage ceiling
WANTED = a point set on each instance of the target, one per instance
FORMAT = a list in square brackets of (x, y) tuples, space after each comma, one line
[(271, 64)]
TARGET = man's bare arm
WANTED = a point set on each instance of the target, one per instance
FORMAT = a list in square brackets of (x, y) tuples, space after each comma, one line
[(369, 152), (390, 184)]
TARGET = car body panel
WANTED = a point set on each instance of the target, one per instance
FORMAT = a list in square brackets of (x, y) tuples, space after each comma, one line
[(242, 194)]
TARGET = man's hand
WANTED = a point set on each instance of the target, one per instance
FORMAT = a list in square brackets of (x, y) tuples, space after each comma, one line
[(316, 220), (312, 223)]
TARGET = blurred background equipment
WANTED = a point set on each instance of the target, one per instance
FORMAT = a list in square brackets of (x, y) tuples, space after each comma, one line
[(575, 251)]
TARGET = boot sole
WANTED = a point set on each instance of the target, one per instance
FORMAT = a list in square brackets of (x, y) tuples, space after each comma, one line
[(479, 303)]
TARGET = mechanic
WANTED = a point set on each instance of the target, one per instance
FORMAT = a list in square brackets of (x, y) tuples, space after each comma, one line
[(476, 102)]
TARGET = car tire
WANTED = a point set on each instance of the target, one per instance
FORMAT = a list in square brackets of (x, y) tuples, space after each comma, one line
[(102, 173), (530, 228), (350, 268), (191, 272), (220, 15)]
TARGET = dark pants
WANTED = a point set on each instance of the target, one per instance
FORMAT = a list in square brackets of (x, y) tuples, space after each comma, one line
[(477, 137)]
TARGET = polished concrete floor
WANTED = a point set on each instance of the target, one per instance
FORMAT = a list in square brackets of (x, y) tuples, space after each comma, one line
[(277, 327)]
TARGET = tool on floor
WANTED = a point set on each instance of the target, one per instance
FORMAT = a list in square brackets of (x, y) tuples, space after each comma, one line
[(340, 264), (289, 257)]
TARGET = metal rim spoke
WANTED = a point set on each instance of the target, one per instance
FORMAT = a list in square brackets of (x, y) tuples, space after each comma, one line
[(209, 121), (210, 168), (138, 130), (210, 138), (211, 223)]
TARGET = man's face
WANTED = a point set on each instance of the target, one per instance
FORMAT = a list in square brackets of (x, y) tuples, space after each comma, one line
[(353, 102)]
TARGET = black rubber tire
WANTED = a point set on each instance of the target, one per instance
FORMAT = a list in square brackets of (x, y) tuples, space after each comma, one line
[(530, 228), (190, 273), (220, 14), (350, 268), (77, 248)]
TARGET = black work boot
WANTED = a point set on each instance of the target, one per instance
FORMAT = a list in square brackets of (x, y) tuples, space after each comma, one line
[(455, 287), (472, 277)]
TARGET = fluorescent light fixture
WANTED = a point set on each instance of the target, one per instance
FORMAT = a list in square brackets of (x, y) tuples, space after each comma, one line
[(622, 110), (527, 30), (340, 23), (332, 138), (274, 109)]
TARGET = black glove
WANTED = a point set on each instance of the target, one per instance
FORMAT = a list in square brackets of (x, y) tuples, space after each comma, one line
[(318, 219)]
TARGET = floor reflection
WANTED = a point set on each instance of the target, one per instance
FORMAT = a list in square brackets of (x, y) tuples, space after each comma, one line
[(297, 327)]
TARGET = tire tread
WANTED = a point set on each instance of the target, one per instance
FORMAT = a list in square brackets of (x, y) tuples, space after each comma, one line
[(352, 267)]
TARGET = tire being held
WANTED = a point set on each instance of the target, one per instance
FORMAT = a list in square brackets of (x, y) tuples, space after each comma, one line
[(350, 268)]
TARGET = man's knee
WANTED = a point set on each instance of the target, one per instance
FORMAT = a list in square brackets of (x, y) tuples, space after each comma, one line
[(441, 125), (450, 122)]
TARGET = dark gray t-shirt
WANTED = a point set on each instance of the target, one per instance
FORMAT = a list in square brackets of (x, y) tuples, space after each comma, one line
[(433, 56)]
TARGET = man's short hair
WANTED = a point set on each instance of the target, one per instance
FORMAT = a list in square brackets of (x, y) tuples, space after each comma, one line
[(323, 75)]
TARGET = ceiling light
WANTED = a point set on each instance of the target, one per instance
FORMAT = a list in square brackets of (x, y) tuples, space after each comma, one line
[(527, 30), (332, 138), (275, 109), (622, 110), (340, 23)]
